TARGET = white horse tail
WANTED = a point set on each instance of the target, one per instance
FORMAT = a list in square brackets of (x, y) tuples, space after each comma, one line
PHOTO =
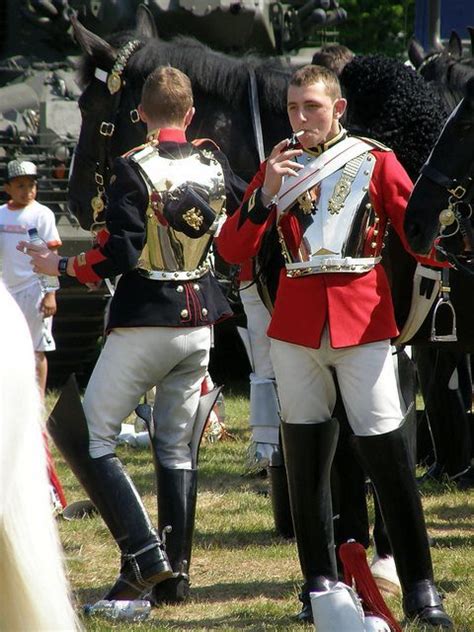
[(34, 592)]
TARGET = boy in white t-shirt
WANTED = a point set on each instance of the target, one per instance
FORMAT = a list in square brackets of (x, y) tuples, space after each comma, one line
[(19, 214)]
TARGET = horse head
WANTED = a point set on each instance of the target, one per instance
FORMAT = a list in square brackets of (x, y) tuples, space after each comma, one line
[(110, 125), (445, 67), (440, 203), (110, 121)]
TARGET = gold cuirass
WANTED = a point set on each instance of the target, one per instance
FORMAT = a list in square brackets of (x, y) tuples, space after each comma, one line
[(168, 253)]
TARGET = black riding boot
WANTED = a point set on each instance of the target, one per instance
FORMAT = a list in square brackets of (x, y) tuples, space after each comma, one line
[(143, 562), (177, 493), (387, 461), (279, 495), (309, 450), (281, 501)]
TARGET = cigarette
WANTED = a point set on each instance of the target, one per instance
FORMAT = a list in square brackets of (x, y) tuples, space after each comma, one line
[(292, 141)]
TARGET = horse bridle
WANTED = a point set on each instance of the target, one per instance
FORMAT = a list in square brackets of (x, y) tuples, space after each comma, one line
[(458, 213), (114, 82)]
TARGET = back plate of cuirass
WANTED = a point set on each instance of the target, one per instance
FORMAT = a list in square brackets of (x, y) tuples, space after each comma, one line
[(334, 219), (167, 249)]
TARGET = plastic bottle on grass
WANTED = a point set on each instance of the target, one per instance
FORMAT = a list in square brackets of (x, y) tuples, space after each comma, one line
[(48, 283), (135, 610)]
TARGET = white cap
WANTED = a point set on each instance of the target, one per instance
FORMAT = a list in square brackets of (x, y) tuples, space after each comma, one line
[(16, 168)]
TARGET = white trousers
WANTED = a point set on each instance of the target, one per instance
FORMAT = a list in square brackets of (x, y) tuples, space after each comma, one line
[(133, 360), (29, 300), (366, 377), (258, 320), (264, 407)]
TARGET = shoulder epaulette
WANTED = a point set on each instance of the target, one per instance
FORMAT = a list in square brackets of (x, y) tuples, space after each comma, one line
[(375, 143), (135, 150)]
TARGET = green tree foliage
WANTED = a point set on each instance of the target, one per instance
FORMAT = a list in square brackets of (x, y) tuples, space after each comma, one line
[(377, 26)]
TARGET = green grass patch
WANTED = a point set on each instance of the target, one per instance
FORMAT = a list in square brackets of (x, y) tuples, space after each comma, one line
[(244, 576)]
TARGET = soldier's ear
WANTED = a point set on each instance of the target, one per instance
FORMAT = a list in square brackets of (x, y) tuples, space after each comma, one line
[(142, 113), (340, 106), (189, 116)]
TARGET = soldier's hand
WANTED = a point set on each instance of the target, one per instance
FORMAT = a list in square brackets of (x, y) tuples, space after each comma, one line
[(43, 260), (280, 163)]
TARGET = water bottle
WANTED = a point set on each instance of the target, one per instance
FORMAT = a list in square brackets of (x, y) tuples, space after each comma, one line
[(48, 283), (136, 610), (220, 408)]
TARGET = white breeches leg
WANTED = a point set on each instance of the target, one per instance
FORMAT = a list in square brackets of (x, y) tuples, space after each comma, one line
[(366, 379), (133, 361), (264, 417)]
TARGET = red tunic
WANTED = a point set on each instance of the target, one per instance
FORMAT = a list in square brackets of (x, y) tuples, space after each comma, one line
[(357, 307)]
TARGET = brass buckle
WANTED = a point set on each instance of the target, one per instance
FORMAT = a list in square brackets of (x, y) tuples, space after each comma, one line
[(106, 129), (134, 116), (459, 192)]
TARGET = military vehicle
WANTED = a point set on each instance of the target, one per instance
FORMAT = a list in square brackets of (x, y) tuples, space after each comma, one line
[(40, 120)]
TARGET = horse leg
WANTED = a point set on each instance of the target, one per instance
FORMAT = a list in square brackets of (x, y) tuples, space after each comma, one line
[(446, 408)]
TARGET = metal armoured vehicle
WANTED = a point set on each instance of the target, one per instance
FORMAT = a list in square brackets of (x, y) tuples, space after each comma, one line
[(40, 118)]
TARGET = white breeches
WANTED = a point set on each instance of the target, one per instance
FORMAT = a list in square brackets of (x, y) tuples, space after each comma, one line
[(366, 378), (133, 360), (258, 320), (264, 407)]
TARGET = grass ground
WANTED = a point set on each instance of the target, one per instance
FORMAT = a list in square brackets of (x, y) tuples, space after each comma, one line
[(245, 577)]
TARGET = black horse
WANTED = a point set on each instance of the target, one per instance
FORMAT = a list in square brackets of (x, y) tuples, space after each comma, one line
[(221, 87), (440, 208), (446, 68), (439, 205)]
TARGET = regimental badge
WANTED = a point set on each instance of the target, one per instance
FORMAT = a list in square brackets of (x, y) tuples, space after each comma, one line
[(114, 82), (308, 200), (305, 202), (340, 193), (113, 177), (193, 218)]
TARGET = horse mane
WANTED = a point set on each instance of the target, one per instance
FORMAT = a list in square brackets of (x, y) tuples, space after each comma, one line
[(393, 104), (34, 593), (211, 72)]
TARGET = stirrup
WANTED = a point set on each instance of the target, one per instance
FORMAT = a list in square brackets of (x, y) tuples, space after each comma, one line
[(452, 337)]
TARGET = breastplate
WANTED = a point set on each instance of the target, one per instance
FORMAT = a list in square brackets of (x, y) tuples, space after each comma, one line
[(169, 253), (327, 228)]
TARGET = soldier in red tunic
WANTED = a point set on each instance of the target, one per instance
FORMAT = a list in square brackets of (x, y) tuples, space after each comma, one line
[(330, 197)]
